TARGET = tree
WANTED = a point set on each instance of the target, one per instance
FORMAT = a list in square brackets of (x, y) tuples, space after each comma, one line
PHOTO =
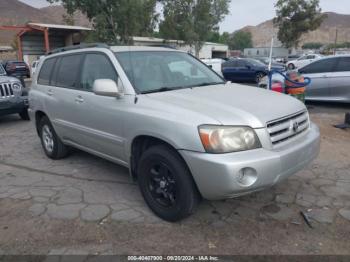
[(192, 21), (312, 45), (116, 21), (295, 18), (216, 37), (240, 40)]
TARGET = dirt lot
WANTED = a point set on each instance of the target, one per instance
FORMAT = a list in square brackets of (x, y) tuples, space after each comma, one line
[(85, 205)]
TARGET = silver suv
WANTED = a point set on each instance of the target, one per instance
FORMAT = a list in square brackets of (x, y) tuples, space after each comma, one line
[(183, 132)]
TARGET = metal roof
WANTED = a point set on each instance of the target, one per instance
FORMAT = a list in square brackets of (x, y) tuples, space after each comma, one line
[(62, 27)]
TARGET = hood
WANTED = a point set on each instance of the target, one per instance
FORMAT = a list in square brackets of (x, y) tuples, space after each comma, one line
[(6, 79), (229, 104)]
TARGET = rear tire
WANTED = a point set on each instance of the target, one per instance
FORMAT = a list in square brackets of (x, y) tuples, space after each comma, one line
[(51, 143), (258, 77), (24, 115), (166, 184), (291, 66)]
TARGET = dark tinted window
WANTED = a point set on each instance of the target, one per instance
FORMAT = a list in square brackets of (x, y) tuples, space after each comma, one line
[(68, 71), (343, 64), (241, 63), (230, 63), (45, 72), (321, 66), (96, 66)]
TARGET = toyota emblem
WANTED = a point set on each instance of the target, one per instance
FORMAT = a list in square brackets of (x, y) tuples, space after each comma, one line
[(295, 126)]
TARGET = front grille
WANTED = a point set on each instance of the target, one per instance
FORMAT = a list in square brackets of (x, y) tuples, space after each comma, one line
[(6, 90), (286, 128)]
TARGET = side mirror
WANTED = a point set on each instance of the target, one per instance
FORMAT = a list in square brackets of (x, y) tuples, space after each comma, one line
[(106, 87)]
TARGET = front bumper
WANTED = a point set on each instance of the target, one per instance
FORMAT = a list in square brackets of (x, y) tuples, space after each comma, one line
[(217, 176), (13, 105)]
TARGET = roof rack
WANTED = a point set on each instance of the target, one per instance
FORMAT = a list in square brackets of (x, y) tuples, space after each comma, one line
[(76, 47)]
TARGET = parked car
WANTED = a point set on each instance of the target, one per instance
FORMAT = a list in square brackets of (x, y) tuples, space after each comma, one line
[(13, 97), (330, 79), (16, 69), (292, 57), (246, 70), (302, 61), (215, 64), (266, 61), (183, 132)]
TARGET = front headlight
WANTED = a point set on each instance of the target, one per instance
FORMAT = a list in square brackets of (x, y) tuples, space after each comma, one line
[(17, 88), (227, 139)]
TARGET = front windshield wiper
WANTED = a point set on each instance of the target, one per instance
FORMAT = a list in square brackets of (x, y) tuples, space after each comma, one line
[(162, 89), (208, 84)]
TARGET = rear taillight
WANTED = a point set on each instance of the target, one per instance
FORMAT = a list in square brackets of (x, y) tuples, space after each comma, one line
[(277, 87)]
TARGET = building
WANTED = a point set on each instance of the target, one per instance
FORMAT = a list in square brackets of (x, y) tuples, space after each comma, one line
[(37, 39), (7, 53), (209, 50), (265, 52)]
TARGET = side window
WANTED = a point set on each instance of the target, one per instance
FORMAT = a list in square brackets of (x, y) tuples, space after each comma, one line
[(230, 63), (302, 58), (322, 66), (343, 65), (96, 66), (310, 57), (45, 72), (68, 71), (241, 63)]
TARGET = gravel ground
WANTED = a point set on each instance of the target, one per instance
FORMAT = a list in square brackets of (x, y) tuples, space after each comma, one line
[(86, 205)]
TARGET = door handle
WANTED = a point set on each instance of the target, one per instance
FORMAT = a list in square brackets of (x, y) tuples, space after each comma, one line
[(50, 92), (79, 99)]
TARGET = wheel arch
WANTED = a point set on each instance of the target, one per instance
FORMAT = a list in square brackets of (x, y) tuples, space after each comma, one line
[(38, 116)]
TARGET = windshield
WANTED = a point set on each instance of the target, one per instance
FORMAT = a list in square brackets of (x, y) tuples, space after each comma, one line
[(255, 62), (2, 71), (155, 71)]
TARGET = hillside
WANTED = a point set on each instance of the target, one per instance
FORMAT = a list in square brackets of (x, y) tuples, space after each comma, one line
[(57, 12), (325, 34)]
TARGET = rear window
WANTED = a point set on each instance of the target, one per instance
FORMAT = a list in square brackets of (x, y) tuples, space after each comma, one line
[(45, 72), (67, 74)]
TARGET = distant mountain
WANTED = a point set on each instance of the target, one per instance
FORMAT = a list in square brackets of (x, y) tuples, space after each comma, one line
[(325, 34), (14, 12), (57, 13)]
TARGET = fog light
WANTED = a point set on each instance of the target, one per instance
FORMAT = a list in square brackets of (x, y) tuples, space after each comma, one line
[(247, 176)]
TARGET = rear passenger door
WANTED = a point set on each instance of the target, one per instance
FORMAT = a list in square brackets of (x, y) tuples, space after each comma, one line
[(60, 103), (99, 118), (339, 80)]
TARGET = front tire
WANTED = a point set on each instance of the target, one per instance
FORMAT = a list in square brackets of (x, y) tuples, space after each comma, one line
[(166, 184), (51, 143), (24, 115)]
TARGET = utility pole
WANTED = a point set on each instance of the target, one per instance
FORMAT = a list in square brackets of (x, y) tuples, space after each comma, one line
[(336, 40)]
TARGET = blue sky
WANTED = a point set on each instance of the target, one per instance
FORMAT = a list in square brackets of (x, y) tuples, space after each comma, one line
[(249, 12)]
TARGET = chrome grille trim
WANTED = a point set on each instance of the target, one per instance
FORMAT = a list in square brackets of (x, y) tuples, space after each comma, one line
[(6, 90), (283, 129)]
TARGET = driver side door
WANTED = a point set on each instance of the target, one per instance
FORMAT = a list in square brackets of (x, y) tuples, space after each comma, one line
[(99, 118)]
